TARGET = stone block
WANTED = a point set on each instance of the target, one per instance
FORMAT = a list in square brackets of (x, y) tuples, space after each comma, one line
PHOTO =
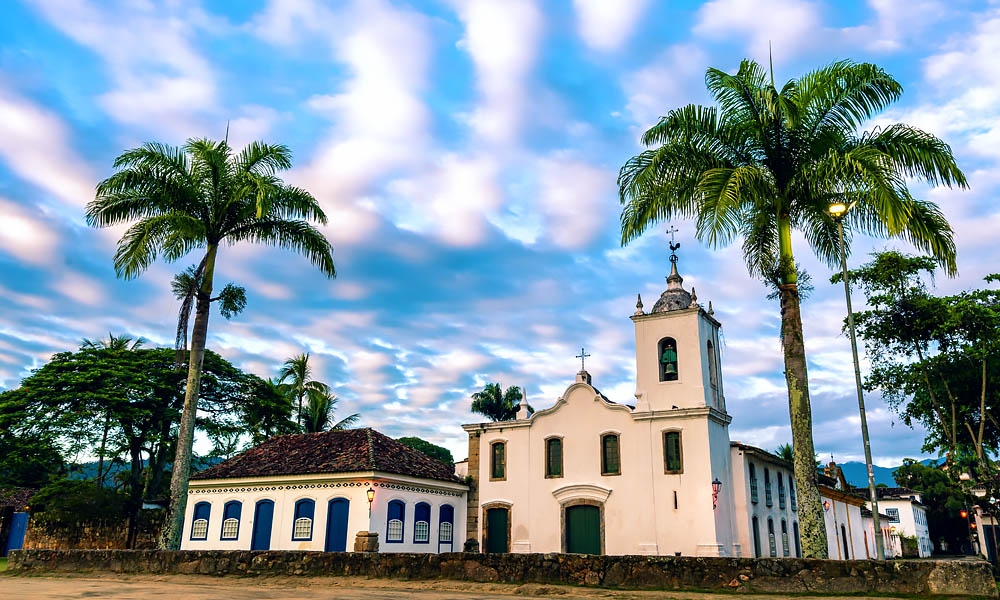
[(366, 541)]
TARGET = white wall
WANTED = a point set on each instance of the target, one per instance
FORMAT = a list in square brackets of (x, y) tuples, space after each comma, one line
[(286, 491), (912, 522), (846, 514), (746, 509)]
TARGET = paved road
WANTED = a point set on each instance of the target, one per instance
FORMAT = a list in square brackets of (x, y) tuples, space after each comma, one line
[(339, 588)]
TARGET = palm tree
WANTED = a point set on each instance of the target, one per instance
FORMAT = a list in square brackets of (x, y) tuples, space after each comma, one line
[(496, 405), (296, 373), (320, 407), (201, 196), (766, 161)]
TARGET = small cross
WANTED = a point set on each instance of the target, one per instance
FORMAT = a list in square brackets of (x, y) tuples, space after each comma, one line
[(582, 356), (672, 231)]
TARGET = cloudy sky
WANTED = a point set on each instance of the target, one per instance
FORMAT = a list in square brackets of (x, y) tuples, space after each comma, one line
[(466, 153)]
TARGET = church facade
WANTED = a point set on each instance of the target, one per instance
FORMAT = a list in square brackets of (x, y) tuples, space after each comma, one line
[(595, 476)]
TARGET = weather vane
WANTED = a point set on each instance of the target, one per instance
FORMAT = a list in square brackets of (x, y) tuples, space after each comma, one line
[(582, 356), (673, 245)]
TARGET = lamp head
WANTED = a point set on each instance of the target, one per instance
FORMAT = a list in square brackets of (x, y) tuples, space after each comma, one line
[(716, 485), (371, 495), (837, 210)]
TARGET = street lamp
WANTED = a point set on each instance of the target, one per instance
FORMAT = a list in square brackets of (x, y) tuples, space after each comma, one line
[(837, 211), (371, 497), (716, 488)]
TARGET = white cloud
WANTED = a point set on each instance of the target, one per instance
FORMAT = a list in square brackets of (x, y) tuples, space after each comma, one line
[(789, 25), (896, 22), (576, 199), (35, 144), (26, 236), (606, 25), (673, 79), (502, 39)]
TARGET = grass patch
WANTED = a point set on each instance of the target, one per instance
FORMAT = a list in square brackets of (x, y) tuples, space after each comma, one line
[(3, 563)]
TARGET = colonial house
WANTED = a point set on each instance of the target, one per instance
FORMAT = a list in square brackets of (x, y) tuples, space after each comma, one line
[(906, 516), (318, 491), (655, 476)]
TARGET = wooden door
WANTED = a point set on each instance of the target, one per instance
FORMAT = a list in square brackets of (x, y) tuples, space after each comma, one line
[(583, 530)]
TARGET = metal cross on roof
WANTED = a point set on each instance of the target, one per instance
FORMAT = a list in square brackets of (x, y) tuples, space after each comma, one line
[(673, 245), (582, 356), (672, 231)]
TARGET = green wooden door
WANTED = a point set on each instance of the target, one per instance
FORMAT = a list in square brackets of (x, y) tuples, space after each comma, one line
[(496, 530), (583, 529)]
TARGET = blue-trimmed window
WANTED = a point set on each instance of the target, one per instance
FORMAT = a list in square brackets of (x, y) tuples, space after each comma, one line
[(422, 523), (302, 527), (781, 491), (791, 493), (395, 522), (753, 485), (767, 488), (231, 520), (446, 524), (199, 527)]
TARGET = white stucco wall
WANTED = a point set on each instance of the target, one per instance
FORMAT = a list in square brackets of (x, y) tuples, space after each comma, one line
[(912, 522), (746, 508), (286, 491), (841, 512)]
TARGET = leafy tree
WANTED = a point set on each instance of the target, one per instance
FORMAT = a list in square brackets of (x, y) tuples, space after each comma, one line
[(202, 196), (296, 373), (936, 359), (785, 452), (943, 498), (27, 461), (319, 412), (436, 452), (74, 501), (765, 161), (269, 414), (497, 405)]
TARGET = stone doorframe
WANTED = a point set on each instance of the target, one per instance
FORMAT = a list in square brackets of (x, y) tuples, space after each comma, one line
[(497, 504), (580, 495)]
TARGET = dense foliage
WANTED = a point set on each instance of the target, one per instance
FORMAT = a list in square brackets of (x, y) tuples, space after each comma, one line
[(436, 452)]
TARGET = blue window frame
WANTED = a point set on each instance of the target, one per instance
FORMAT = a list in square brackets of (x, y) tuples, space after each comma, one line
[(753, 484), (395, 521), (781, 491), (446, 524), (767, 488), (231, 520), (199, 527), (302, 526), (422, 523)]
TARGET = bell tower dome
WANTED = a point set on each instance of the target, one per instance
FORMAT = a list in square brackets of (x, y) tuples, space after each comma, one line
[(677, 350)]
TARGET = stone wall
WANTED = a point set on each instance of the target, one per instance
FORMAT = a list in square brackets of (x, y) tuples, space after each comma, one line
[(952, 578), (92, 536)]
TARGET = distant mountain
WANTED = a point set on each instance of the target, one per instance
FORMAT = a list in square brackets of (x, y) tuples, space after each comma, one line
[(856, 474)]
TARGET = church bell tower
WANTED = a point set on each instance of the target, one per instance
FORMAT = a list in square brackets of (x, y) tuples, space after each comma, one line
[(677, 350)]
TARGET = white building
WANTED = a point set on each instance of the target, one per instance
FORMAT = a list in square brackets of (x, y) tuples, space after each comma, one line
[(905, 515), (657, 476), (317, 491)]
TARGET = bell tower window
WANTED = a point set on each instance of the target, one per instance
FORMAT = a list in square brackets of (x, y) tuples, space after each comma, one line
[(667, 353), (713, 373)]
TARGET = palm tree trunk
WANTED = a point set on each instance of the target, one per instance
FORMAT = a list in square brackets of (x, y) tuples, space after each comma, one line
[(170, 538), (813, 528)]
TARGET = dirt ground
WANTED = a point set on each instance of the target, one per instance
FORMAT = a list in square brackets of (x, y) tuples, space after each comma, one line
[(315, 588)]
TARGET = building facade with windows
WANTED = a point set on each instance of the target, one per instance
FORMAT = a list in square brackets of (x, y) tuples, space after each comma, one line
[(905, 516), (317, 491), (767, 511), (595, 476)]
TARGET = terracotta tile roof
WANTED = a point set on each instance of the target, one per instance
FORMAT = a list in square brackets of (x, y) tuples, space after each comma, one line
[(347, 451)]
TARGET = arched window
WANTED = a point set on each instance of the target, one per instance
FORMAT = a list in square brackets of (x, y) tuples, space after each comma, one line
[(231, 520), (672, 457), (791, 493), (303, 525), (498, 461), (394, 526), (798, 543), (553, 457), (610, 457), (767, 488), (713, 373), (667, 355), (772, 546), (446, 524), (784, 538), (422, 523), (753, 483), (756, 537), (781, 491), (199, 528)]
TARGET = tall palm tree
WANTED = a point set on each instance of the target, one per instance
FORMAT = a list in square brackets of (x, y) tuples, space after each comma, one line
[(296, 373), (765, 161), (199, 197), (496, 404), (320, 407)]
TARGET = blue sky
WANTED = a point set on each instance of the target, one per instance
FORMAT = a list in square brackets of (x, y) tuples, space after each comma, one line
[(466, 154)]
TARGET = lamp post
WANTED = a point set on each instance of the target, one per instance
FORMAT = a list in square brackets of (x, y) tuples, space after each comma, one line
[(716, 488), (837, 211), (371, 497)]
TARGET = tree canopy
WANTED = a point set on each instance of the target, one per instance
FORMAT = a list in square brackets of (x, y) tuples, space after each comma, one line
[(438, 453), (496, 404)]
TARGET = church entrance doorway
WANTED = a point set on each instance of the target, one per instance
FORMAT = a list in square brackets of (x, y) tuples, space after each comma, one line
[(583, 529), (263, 514), (497, 530), (336, 525)]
